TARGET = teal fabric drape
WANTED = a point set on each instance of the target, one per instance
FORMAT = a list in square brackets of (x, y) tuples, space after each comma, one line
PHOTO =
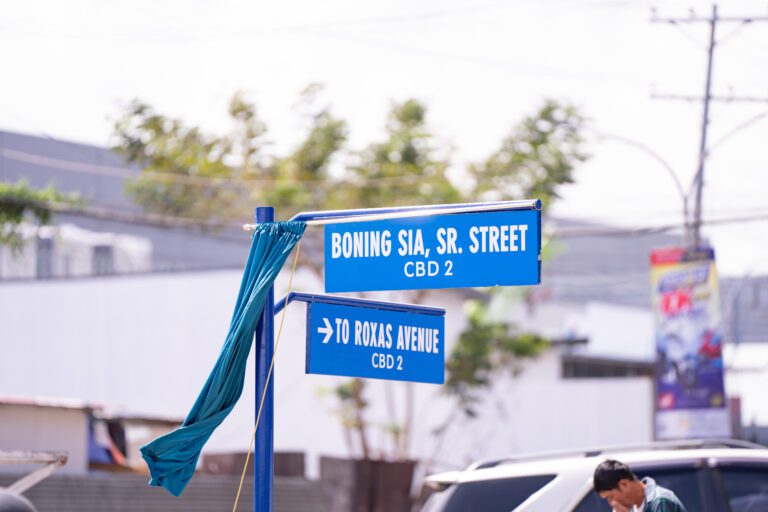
[(172, 458)]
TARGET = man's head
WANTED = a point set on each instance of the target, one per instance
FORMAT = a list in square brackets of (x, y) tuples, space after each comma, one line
[(615, 482)]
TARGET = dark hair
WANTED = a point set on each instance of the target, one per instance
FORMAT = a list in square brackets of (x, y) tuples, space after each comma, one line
[(609, 473)]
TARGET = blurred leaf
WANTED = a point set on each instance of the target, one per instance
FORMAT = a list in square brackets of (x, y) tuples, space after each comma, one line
[(19, 199), (485, 348), (536, 159), (407, 168)]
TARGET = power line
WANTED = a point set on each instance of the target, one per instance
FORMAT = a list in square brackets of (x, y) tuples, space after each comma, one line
[(228, 32), (167, 177), (167, 221), (708, 97), (316, 29), (712, 97), (487, 61), (652, 230)]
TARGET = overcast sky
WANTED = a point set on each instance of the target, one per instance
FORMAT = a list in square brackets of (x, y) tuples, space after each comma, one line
[(478, 65)]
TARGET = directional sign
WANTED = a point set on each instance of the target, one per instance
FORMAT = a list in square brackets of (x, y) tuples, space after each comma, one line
[(405, 343), (497, 248)]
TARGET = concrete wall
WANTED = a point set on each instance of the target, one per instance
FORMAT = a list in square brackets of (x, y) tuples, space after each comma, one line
[(32, 428)]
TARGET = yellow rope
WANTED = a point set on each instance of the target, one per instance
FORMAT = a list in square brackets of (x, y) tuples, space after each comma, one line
[(266, 383)]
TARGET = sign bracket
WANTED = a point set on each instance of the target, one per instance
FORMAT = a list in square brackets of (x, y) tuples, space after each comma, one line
[(353, 302)]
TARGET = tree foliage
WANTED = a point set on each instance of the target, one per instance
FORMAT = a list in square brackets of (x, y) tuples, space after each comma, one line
[(485, 348), (187, 173), (18, 200), (303, 178), (535, 159), (351, 398), (406, 168)]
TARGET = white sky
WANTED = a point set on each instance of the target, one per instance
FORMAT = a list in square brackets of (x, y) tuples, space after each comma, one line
[(479, 66)]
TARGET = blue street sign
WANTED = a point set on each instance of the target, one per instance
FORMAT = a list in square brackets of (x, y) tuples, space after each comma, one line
[(398, 343), (498, 248)]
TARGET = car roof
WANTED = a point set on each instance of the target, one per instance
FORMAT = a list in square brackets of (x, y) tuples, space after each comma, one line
[(585, 461)]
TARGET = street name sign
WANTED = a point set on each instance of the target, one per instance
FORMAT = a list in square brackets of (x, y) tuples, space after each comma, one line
[(458, 250), (401, 342)]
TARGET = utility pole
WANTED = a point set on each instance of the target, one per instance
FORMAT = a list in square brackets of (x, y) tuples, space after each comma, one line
[(693, 229), (699, 177)]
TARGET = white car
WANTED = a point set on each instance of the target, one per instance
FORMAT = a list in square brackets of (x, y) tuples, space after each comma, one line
[(707, 476)]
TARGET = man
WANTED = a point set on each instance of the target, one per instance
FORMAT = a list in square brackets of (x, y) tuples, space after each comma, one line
[(616, 483)]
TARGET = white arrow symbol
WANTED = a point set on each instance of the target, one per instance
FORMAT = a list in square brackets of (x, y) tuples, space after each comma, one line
[(327, 330)]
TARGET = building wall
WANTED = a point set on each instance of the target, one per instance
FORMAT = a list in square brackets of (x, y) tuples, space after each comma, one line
[(70, 251), (539, 411), (33, 428), (147, 343), (747, 378)]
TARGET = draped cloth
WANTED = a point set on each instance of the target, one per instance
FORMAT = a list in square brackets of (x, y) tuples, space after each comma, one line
[(172, 458)]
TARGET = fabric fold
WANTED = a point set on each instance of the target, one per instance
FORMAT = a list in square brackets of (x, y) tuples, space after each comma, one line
[(172, 458)]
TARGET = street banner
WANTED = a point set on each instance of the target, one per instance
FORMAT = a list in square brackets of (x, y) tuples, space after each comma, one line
[(498, 248), (690, 395)]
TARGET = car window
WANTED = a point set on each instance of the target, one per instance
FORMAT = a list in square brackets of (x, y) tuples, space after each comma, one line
[(747, 487), (683, 481), (498, 495), (592, 503)]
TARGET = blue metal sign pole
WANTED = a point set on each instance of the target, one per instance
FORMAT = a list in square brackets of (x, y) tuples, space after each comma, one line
[(264, 446)]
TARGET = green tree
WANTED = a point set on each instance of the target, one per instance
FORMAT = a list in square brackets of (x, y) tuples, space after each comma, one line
[(486, 347), (19, 201), (407, 168), (186, 173), (220, 178), (535, 159), (303, 179)]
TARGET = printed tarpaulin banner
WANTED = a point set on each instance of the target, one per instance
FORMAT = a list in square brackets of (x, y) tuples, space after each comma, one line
[(690, 399)]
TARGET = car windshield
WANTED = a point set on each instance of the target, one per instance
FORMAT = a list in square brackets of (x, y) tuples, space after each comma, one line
[(497, 495)]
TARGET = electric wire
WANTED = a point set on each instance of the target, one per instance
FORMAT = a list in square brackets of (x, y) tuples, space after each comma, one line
[(228, 32), (167, 221), (315, 29), (127, 173)]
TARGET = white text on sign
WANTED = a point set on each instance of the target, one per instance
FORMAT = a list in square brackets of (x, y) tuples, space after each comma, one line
[(477, 239), (410, 242), (381, 335), (366, 334)]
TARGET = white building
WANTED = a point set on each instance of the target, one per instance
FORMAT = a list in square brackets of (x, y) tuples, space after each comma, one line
[(143, 338), (146, 344)]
